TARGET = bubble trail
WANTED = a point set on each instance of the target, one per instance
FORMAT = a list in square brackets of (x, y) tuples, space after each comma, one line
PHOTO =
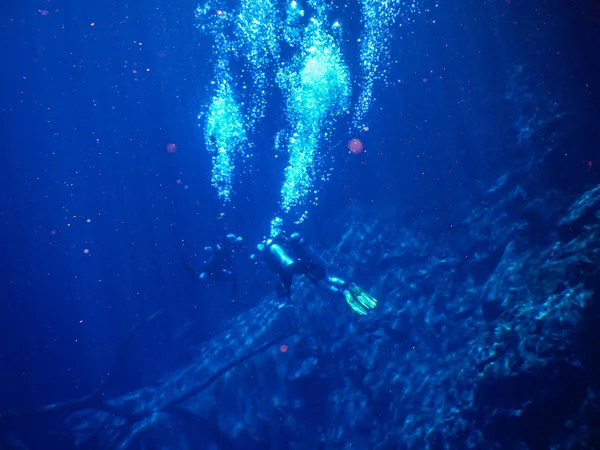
[(225, 136), (317, 87), (257, 29), (262, 45), (379, 19)]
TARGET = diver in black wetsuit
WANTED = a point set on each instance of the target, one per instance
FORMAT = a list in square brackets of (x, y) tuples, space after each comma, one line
[(219, 264), (287, 256), (279, 255)]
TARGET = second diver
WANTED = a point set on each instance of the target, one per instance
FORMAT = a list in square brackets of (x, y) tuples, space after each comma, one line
[(219, 264)]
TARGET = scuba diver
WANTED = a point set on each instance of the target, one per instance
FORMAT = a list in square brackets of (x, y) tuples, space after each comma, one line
[(287, 256), (219, 264)]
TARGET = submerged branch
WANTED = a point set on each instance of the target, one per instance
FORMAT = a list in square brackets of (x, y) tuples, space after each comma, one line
[(92, 401), (219, 373)]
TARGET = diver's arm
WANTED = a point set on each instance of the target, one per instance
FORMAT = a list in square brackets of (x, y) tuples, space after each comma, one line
[(208, 262)]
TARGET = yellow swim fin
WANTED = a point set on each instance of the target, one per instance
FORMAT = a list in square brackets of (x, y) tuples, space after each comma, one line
[(351, 300), (359, 300)]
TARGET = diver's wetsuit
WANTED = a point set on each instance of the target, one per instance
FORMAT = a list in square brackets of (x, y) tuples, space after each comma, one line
[(288, 256), (281, 264)]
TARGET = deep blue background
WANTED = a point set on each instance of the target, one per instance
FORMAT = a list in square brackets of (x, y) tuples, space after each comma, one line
[(84, 165)]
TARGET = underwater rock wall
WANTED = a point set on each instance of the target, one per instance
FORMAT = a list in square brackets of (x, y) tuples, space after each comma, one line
[(480, 348), (483, 336)]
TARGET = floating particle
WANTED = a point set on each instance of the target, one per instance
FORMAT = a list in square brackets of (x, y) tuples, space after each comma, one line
[(355, 146), (283, 348), (171, 148)]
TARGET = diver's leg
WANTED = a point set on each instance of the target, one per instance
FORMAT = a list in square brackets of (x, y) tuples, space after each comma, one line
[(280, 289), (234, 285), (284, 286), (193, 272), (190, 269), (314, 271), (337, 282), (207, 268), (333, 284)]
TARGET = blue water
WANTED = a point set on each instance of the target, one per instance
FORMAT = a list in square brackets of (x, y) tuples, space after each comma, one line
[(97, 218)]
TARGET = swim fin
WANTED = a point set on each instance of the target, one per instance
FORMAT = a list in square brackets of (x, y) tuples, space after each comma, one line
[(359, 300), (354, 304)]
